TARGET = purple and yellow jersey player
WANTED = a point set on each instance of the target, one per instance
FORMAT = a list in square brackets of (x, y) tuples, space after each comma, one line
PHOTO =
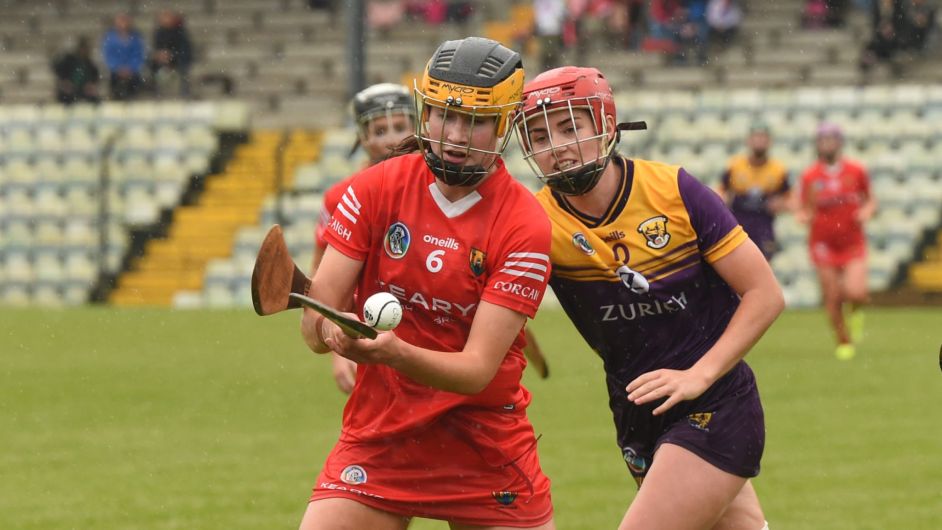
[(666, 287), (756, 188)]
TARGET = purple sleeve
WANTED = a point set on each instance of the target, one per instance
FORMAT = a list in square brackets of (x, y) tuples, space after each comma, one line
[(709, 216)]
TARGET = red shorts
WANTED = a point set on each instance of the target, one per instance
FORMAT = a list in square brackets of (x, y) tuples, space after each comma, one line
[(456, 470), (837, 252)]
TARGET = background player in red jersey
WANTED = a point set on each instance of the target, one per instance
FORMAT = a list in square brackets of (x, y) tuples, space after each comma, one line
[(664, 285), (385, 116), (756, 189), (836, 199), (436, 424)]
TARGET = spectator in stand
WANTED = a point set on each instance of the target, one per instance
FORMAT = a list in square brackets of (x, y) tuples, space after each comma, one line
[(384, 15), (172, 56), (439, 11), (634, 22), (76, 75), (663, 22), (692, 33), (835, 13), (882, 46), (724, 18), (326, 5), (814, 14), (919, 19), (886, 11), (549, 16), (124, 53)]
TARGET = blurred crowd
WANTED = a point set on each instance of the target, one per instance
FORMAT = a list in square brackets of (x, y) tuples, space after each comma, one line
[(386, 14), (900, 30), (132, 68), (684, 29)]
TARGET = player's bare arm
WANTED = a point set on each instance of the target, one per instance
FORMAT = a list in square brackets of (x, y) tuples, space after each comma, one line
[(781, 202), (316, 258), (867, 209), (333, 284), (466, 372), (748, 273)]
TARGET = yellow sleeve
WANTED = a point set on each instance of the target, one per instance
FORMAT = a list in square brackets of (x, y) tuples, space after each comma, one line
[(729, 243)]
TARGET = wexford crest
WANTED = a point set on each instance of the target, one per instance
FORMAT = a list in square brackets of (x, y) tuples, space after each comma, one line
[(655, 232)]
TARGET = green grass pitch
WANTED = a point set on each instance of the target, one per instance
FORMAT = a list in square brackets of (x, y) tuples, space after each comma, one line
[(152, 419)]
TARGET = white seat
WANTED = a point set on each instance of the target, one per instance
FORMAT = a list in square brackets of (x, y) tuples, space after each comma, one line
[(187, 300), (47, 295), (196, 163), (16, 295), (218, 296), (200, 138), (79, 267), (20, 141), (79, 139), (19, 269), (48, 269), (75, 294), (140, 209), (49, 139), (136, 138)]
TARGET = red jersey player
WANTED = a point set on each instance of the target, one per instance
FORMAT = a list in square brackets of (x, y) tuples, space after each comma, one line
[(836, 198), (436, 425), (385, 116)]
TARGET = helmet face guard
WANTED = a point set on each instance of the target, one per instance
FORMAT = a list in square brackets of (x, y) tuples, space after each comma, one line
[(496, 117), (535, 132), (481, 81)]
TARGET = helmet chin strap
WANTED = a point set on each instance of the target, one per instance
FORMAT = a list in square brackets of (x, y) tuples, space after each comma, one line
[(453, 174), (578, 181)]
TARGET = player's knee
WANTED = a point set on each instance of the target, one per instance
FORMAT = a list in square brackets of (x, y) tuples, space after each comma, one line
[(857, 295)]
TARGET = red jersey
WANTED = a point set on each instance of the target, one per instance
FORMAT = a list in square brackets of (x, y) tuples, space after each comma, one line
[(835, 194), (331, 200), (440, 259)]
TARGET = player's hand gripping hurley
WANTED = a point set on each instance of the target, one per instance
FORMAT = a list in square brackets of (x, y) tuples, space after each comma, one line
[(278, 285)]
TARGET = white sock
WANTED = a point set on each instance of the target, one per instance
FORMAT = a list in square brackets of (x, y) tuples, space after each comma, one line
[(766, 526)]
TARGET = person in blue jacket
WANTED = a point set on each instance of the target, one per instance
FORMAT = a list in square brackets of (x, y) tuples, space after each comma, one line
[(124, 53)]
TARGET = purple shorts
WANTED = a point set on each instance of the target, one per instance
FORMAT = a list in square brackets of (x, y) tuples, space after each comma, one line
[(728, 433)]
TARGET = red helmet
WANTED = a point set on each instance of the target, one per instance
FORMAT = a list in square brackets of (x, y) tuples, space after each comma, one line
[(582, 87), (566, 89)]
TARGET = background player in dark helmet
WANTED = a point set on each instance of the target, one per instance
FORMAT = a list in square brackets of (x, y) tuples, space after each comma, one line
[(659, 279), (385, 116), (436, 424)]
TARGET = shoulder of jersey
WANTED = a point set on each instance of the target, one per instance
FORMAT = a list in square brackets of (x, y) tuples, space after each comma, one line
[(811, 170), (778, 164), (855, 165), (394, 172), (660, 172), (334, 193), (735, 161)]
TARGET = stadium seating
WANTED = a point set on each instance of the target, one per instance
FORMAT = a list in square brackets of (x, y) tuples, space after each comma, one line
[(52, 171), (288, 64), (701, 130)]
